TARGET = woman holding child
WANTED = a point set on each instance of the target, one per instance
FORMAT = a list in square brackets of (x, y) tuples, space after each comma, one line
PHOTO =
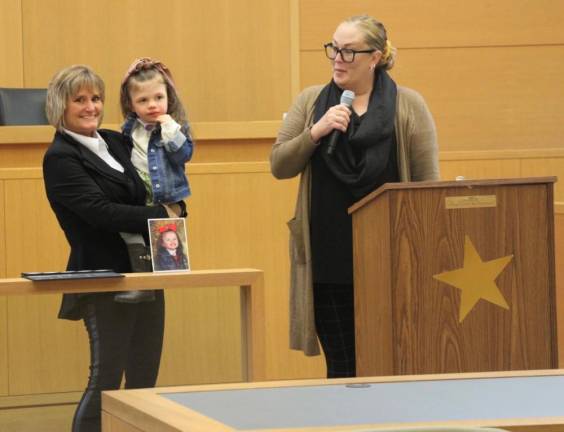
[(96, 194)]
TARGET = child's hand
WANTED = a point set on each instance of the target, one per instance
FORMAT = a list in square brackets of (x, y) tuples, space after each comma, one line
[(164, 118)]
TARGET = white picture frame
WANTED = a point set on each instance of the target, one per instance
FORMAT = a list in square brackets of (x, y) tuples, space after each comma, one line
[(169, 245)]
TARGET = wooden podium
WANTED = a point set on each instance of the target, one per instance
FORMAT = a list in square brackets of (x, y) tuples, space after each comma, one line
[(455, 277)]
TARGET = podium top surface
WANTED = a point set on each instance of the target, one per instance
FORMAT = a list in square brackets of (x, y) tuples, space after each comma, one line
[(448, 184)]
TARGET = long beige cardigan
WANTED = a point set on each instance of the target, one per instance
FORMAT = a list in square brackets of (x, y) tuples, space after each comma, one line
[(290, 156)]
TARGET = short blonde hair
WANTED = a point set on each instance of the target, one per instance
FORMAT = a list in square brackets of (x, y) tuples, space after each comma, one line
[(376, 37), (64, 85)]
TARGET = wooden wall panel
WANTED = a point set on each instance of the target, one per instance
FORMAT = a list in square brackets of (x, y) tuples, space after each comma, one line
[(11, 42), (546, 166), (238, 218), (506, 168), (45, 354), (34, 240), (22, 156), (491, 105), (206, 151), (4, 389), (2, 230), (441, 23), (3, 307), (501, 102), (231, 151), (231, 60), (202, 338), (559, 258), (479, 169), (40, 418)]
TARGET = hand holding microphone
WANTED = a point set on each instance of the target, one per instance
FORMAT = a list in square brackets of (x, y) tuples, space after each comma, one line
[(335, 119), (347, 99)]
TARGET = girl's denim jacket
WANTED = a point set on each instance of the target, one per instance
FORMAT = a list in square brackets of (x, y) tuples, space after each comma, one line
[(165, 162)]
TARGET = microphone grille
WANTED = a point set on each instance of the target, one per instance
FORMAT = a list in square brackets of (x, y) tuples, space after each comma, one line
[(347, 97)]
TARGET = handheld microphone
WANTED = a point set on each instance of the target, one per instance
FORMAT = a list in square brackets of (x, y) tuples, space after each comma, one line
[(347, 98)]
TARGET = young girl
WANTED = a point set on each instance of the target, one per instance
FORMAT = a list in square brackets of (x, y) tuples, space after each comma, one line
[(170, 253), (158, 132), (156, 125)]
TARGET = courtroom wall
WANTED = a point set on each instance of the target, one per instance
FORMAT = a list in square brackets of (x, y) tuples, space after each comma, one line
[(230, 59), (490, 72)]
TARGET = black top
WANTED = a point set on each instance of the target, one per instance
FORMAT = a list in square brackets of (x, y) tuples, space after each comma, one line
[(94, 203), (330, 223)]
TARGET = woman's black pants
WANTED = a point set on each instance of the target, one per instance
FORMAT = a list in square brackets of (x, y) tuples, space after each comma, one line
[(334, 323), (125, 339)]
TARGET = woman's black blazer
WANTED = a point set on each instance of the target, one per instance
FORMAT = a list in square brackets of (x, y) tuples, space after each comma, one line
[(93, 204)]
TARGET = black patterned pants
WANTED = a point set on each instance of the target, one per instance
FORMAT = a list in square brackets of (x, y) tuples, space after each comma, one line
[(334, 323)]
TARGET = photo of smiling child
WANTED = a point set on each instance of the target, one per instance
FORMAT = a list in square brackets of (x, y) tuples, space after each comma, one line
[(169, 245)]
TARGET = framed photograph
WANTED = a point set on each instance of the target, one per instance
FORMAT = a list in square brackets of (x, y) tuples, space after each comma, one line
[(169, 244)]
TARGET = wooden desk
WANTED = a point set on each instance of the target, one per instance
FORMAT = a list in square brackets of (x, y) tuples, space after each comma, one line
[(516, 401), (250, 282)]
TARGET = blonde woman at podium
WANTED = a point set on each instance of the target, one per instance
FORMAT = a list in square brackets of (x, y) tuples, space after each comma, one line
[(96, 193), (345, 139)]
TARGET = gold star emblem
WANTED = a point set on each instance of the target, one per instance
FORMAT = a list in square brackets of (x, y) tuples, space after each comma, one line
[(476, 279)]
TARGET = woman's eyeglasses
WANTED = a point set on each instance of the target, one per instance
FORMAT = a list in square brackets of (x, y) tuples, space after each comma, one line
[(347, 54)]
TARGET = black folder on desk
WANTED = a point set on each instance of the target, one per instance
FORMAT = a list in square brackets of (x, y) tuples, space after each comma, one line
[(72, 274)]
